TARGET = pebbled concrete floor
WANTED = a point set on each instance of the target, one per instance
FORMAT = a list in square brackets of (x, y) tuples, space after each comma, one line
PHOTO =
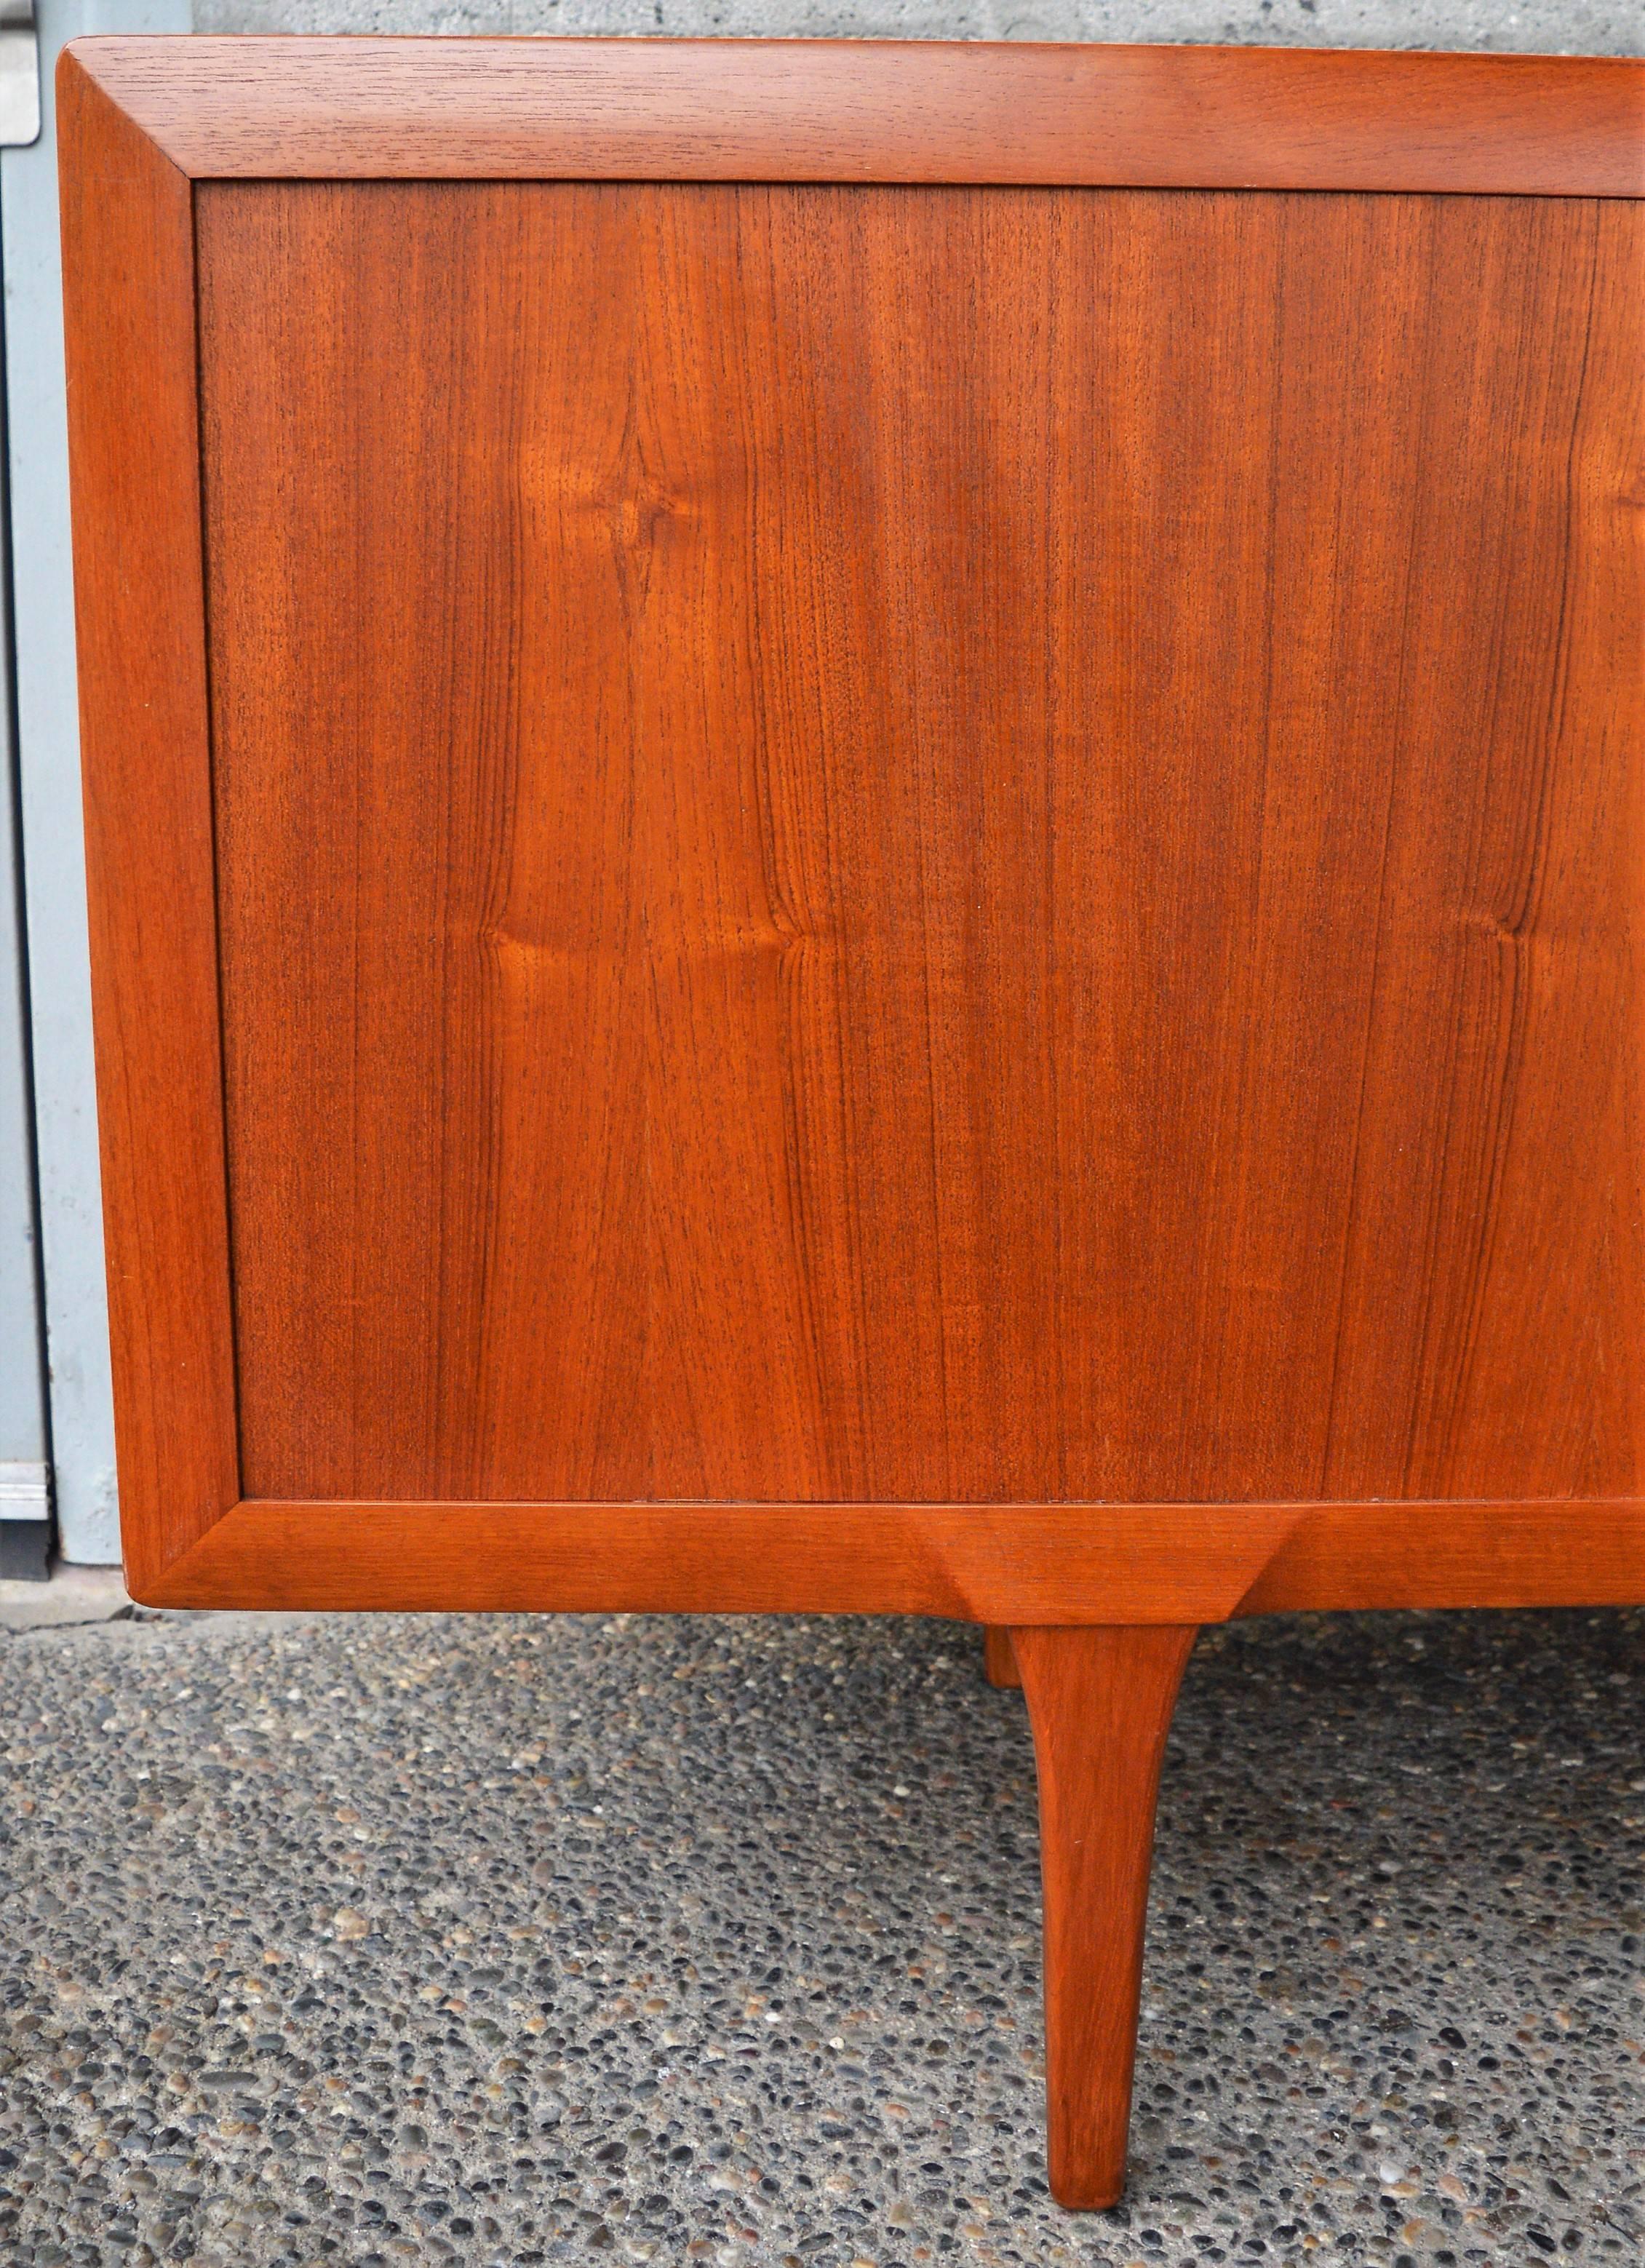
[(329, 1939)]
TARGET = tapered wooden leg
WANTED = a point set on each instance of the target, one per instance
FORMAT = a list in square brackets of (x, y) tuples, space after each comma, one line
[(999, 1663), (1100, 1702)]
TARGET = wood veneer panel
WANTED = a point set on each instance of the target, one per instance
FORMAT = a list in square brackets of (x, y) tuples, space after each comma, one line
[(422, 532), (886, 111), (134, 446), (998, 858)]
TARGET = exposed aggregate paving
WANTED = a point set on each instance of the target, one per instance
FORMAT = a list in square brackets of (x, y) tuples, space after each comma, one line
[(508, 1940)]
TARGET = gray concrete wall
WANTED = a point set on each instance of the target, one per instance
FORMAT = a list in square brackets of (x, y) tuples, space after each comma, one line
[(1595, 28)]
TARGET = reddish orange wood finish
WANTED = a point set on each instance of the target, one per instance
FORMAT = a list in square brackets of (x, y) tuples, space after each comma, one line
[(976, 1564), (1100, 1703), (999, 1663), (1455, 1554), (844, 110), (1021, 1004), (135, 451), (1058, 1563), (870, 898), (1135, 1563)]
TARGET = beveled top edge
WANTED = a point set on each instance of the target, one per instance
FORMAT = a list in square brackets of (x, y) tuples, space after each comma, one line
[(879, 111)]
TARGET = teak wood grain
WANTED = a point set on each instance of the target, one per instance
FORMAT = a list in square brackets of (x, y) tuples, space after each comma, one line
[(885, 110), (864, 833), (835, 884), (1100, 1703), (999, 1663), (986, 1564), (127, 226)]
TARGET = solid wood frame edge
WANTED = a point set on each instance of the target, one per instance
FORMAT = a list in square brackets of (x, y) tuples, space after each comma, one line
[(1603, 159), (184, 1352), (163, 1574), (974, 1563)]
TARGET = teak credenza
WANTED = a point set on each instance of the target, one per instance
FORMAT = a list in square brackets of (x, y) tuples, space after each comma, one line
[(866, 835)]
